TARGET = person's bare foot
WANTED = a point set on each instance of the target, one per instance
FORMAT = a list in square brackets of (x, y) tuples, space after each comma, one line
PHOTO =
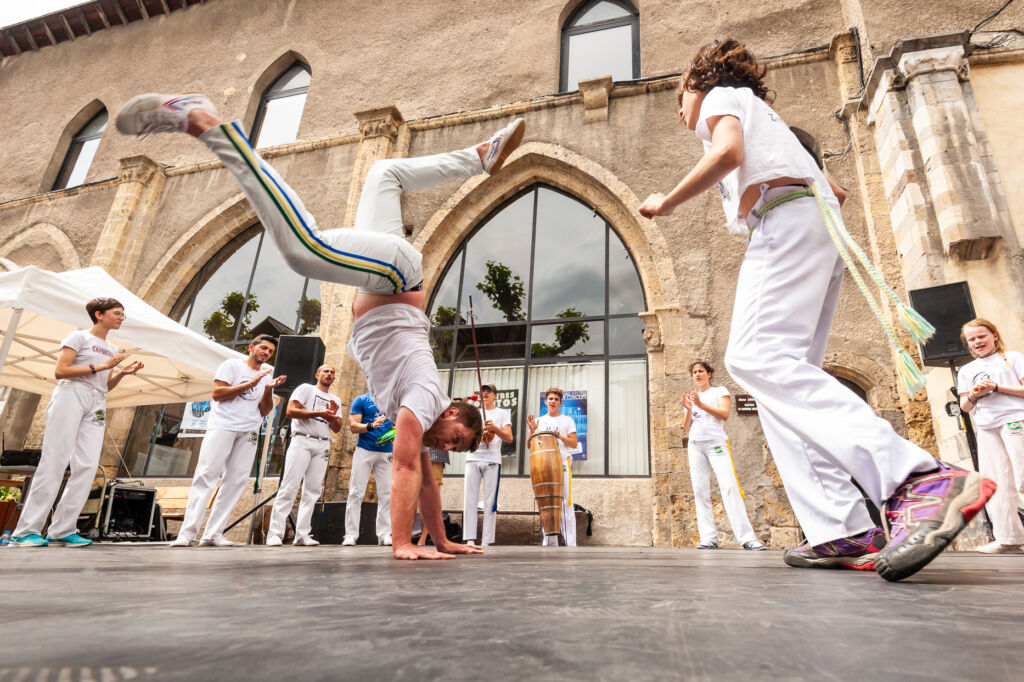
[(411, 552)]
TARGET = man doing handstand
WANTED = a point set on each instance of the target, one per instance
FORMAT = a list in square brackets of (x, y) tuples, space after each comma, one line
[(390, 334)]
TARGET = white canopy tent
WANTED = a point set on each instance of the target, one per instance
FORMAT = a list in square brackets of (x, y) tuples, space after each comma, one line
[(38, 308)]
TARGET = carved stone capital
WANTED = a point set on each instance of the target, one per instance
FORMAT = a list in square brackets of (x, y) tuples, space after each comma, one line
[(380, 122), (652, 332), (595, 93), (950, 58), (140, 169)]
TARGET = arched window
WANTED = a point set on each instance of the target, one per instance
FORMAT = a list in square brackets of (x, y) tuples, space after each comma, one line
[(245, 290), (555, 300), (599, 38), (81, 152), (280, 111)]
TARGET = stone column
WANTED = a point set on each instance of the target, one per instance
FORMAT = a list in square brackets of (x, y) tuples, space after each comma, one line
[(380, 129), (138, 194)]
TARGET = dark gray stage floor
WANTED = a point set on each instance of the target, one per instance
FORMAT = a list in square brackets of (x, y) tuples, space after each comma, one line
[(148, 612)]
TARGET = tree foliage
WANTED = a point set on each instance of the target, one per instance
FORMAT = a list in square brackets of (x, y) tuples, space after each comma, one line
[(566, 336), (505, 290), (220, 325)]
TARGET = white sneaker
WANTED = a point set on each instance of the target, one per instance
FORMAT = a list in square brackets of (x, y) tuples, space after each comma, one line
[(754, 545), (472, 543), (999, 548), (348, 542), (155, 113), (183, 541), (216, 541), (306, 542), (384, 541), (503, 143), (273, 541)]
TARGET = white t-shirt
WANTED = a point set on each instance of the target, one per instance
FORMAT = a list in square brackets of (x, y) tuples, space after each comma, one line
[(994, 409), (313, 399), (770, 149), (90, 350), (241, 413), (392, 345), (704, 425), (563, 424), (491, 452)]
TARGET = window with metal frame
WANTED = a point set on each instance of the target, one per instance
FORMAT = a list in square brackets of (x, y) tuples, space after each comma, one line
[(600, 38), (280, 111), (81, 152), (555, 300)]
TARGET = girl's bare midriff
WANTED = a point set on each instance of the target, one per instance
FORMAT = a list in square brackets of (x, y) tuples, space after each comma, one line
[(753, 192), (364, 302)]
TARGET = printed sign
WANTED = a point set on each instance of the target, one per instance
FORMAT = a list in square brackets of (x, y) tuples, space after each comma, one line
[(194, 420), (745, 404), (574, 404)]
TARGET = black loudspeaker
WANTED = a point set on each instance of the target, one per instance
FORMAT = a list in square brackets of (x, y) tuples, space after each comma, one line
[(948, 307), (328, 523), (297, 358)]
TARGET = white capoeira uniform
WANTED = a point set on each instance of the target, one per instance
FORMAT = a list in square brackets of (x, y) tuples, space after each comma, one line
[(820, 433), (1000, 421), (305, 463), (485, 465), (227, 452), (75, 422), (708, 448), (373, 256), (369, 456), (564, 425)]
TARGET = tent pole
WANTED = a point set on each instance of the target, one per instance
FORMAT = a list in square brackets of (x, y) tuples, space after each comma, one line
[(12, 328)]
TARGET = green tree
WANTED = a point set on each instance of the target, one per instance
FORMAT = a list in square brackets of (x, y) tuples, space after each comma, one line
[(505, 290), (566, 336), (309, 315), (220, 325)]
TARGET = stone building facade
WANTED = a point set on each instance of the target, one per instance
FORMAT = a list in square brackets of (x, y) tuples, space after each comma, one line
[(913, 113)]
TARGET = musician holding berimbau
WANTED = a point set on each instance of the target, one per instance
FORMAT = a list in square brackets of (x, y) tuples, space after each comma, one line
[(564, 428), (485, 464)]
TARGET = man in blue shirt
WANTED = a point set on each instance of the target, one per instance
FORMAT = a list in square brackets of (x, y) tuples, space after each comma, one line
[(373, 452)]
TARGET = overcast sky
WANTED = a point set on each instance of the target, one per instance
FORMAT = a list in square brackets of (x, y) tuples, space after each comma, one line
[(17, 11)]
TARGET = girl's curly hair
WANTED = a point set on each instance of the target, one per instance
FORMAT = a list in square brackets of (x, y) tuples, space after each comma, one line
[(727, 63)]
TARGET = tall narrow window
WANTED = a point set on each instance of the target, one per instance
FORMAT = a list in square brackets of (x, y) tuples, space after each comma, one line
[(277, 120), (602, 37), (80, 154)]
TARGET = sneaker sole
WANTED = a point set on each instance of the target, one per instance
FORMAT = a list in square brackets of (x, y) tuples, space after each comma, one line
[(510, 146), (908, 558), (861, 563)]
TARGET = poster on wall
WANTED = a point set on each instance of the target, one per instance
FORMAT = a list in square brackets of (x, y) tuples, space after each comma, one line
[(194, 419), (574, 404), (508, 400)]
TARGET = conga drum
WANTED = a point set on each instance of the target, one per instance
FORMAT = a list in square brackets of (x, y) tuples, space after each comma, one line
[(546, 476)]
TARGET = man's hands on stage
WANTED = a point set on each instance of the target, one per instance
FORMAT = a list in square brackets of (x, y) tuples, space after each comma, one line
[(655, 205), (274, 383)]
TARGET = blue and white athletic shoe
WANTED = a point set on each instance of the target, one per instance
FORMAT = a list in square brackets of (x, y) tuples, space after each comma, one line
[(73, 540), (33, 540), (155, 113)]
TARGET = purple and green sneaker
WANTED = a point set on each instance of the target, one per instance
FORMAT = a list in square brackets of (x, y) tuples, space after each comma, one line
[(857, 552), (924, 515)]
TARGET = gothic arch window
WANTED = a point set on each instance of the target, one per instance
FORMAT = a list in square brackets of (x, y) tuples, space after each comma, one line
[(81, 152), (599, 38), (246, 289), (555, 296), (280, 110)]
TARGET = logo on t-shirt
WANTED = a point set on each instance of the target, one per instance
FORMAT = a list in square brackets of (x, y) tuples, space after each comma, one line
[(253, 437), (102, 351), (251, 393)]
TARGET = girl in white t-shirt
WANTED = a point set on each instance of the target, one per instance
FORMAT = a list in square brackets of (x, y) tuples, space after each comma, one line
[(707, 408), (990, 389), (75, 421), (821, 435)]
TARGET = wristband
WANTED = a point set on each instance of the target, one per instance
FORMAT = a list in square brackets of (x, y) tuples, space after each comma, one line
[(92, 368), (995, 389)]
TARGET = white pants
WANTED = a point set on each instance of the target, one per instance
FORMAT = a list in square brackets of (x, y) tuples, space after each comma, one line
[(706, 455), (490, 473), (1001, 458), (75, 420), (223, 453), (820, 433), (568, 513), (305, 463), (363, 461), (374, 256)]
